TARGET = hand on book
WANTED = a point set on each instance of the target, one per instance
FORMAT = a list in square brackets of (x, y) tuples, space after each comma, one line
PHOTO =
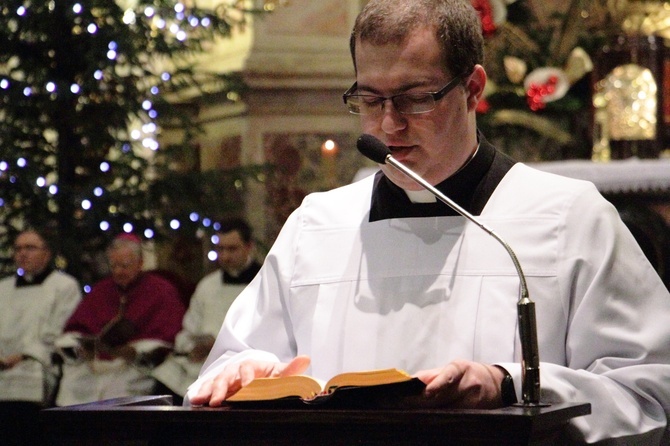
[(463, 385), (460, 384), (363, 389), (235, 376)]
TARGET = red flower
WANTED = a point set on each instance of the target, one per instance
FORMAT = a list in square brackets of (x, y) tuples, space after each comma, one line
[(536, 93), (483, 106), (485, 11)]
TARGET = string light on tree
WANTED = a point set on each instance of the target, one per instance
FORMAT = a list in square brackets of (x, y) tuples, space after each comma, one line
[(89, 106)]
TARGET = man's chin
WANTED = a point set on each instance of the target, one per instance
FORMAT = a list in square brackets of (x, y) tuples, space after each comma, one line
[(400, 179)]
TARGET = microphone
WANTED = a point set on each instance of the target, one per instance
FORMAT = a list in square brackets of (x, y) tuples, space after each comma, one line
[(378, 152)]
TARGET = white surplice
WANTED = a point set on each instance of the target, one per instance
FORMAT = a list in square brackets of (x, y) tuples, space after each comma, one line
[(206, 311), (416, 293), (31, 318)]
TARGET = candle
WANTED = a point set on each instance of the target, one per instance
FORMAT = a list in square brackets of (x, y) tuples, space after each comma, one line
[(328, 163)]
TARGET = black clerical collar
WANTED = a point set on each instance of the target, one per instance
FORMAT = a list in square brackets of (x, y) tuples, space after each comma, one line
[(470, 187), (244, 277), (37, 279)]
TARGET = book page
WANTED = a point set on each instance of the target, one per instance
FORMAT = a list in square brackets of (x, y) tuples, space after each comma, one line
[(352, 390), (366, 378), (310, 388), (260, 389)]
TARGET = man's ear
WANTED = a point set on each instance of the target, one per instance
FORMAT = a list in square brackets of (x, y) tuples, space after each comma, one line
[(474, 85)]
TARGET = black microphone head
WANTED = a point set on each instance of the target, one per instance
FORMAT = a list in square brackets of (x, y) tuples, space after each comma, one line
[(373, 148)]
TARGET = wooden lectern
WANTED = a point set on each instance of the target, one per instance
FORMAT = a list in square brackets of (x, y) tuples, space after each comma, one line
[(153, 420)]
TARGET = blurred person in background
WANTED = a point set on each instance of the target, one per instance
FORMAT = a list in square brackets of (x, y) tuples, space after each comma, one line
[(35, 303), (213, 295), (120, 331)]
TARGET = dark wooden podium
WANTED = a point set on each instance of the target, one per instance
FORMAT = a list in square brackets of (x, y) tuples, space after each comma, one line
[(154, 421)]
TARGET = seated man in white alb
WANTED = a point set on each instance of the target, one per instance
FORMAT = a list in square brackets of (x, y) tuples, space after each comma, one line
[(213, 296), (35, 302)]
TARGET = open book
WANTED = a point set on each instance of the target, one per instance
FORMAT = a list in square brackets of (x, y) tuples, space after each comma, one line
[(115, 333), (371, 388)]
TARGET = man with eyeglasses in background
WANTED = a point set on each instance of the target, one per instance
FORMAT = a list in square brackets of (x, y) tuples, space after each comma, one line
[(35, 304), (379, 274), (234, 247)]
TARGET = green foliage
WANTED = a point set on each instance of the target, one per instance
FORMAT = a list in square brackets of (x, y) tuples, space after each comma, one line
[(85, 88)]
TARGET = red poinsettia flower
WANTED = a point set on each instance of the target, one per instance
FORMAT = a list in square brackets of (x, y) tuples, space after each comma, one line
[(544, 85), (485, 11)]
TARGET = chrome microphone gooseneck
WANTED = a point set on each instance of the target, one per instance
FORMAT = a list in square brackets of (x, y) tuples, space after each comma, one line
[(377, 151)]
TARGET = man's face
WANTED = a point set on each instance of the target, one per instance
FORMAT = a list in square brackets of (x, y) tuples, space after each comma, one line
[(31, 254), (125, 265), (433, 144), (232, 251)]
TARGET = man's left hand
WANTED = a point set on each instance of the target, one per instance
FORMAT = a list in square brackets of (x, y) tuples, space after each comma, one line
[(463, 385)]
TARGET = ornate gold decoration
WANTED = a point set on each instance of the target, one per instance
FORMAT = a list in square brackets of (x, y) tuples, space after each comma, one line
[(629, 96), (647, 18)]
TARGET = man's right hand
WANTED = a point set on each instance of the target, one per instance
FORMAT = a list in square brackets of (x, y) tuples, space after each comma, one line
[(235, 376)]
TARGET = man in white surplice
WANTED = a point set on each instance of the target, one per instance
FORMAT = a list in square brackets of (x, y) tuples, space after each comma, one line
[(35, 304), (234, 245), (376, 274)]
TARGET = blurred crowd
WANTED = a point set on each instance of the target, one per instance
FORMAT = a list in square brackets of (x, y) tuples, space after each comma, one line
[(133, 334)]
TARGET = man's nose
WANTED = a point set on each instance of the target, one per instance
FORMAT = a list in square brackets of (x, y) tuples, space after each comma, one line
[(392, 120)]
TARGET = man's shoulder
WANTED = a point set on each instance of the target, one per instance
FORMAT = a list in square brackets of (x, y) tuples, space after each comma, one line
[(153, 279), (527, 190), (344, 202), (209, 285), (62, 277), (210, 279), (8, 282), (155, 291), (104, 284), (540, 182), (358, 187), (102, 290)]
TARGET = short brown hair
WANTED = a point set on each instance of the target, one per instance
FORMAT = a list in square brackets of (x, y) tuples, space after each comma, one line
[(457, 28)]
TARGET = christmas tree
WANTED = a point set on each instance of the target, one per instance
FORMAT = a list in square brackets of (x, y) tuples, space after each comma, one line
[(86, 88)]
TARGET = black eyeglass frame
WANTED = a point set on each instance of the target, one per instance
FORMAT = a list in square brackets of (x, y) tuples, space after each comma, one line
[(436, 95)]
